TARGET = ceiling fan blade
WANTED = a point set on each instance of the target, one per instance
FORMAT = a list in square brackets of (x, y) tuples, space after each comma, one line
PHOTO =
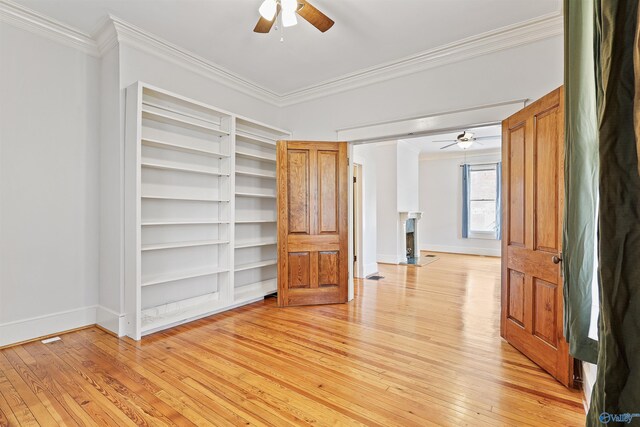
[(264, 25), (316, 18), (450, 145), (482, 138), (447, 140)]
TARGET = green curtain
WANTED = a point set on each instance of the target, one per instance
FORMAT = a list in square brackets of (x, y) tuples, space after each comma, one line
[(581, 177), (617, 387)]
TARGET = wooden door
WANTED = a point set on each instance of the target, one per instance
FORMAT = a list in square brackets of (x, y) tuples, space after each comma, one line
[(533, 199), (312, 222)]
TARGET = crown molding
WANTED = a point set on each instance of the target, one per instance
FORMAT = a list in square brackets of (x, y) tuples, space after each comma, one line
[(504, 38), (34, 22), (145, 41), (114, 30)]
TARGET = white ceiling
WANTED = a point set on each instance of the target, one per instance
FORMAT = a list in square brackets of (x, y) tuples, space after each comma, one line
[(367, 32), (431, 144)]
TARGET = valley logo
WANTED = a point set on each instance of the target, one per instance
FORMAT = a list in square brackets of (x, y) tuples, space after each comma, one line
[(606, 418)]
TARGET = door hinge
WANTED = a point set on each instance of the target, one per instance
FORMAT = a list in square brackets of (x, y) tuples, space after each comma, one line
[(355, 258), (354, 179)]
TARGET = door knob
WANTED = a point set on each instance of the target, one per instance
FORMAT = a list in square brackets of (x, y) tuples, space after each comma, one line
[(556, 259)]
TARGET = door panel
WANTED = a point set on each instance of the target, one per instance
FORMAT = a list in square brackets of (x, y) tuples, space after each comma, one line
[(533, 191), (328, 267), (517, 203), (327, 187), (298, 189), (299, 269), (516, 297), (546, 159), (312, 223)]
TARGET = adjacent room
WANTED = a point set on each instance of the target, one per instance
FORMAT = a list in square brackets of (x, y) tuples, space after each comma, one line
[(292, 212)]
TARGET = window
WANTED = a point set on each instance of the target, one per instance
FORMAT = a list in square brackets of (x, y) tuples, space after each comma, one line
[(483, 201)]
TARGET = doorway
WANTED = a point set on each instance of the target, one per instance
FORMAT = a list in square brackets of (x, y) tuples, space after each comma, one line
[(358, 259)]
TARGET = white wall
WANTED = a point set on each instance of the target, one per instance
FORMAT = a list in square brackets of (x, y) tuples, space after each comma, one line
[(441, 204), (136, 64), (386, 155), (390, 182), (407, 177), (529, 71), (365, 156), (49, 186)]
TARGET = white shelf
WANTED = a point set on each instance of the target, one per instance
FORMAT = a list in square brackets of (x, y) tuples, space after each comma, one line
[(181, 275), (181, 113), (174, 245), (256, 290), (163, 115), (241, 245), (258, 264), (187, 198), (255, 138), (257, 195), (181, 315), (187, 222), (256, 174), (262, 157), (181, 147), (181, 169), (255, 221)]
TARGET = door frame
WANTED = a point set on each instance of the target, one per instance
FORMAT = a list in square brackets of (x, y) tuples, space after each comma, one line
[(422, 125), (358, 264)]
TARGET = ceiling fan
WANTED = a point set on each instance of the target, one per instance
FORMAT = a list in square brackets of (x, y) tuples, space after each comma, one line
[(466, 140), (269, 10)]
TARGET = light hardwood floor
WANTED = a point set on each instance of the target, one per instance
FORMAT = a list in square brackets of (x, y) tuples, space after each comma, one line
[(420, 347)]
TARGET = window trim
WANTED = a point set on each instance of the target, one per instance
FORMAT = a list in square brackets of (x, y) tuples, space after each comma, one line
[(480, 234)]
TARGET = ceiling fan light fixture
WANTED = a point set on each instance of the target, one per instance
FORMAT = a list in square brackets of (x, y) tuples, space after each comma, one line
[(268, 9), (464, 144), (289, 18), (289, 5)]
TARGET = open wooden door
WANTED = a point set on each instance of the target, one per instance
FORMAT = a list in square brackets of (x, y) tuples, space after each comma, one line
[(533, 199), (312, 222)]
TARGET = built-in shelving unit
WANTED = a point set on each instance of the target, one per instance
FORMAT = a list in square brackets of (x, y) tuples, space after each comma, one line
[(200, 194), (255, 208)]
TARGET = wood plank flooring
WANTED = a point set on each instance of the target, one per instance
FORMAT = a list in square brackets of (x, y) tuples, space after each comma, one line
[(420, 347)]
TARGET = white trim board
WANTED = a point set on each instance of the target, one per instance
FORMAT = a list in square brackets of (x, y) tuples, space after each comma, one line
[(28, 329), (111, 320), (440, 122), (461, 250), (388, 258), (115, 30), (424, 157)]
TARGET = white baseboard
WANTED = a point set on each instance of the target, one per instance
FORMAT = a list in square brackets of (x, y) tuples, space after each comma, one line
[(589, 371), (370, 268), (28, 329), (388, 258), (111, 320), (461, 250)]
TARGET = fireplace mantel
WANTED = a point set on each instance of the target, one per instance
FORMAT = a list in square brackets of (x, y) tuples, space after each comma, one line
[(409, 249), (406, 215)]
